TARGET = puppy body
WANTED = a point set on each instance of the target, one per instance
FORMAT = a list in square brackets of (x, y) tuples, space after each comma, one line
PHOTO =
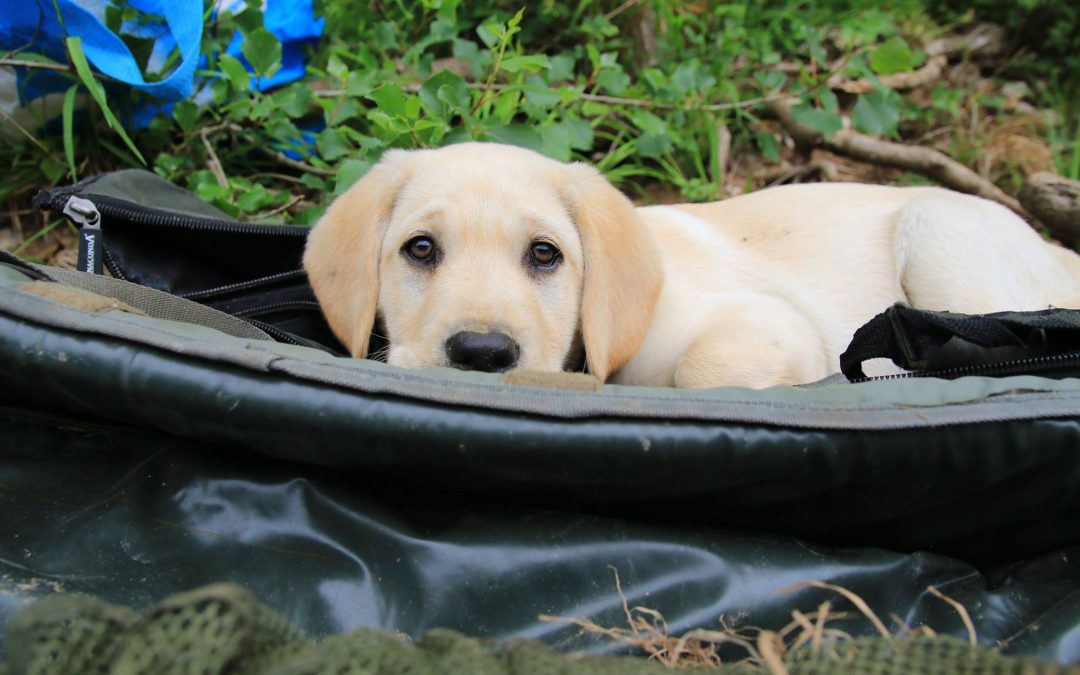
[(768, 288), (761, 289)]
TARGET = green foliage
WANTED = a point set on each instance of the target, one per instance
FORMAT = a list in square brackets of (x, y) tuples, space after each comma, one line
[(97, 91), (575, 81)]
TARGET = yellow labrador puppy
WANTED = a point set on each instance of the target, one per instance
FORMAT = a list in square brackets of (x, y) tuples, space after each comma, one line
[(491, 257)]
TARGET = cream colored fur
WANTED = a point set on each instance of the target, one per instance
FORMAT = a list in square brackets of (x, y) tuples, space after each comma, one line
[(762, 289)]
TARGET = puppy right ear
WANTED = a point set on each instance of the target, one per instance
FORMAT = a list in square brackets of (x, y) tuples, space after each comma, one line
[(342, 252)]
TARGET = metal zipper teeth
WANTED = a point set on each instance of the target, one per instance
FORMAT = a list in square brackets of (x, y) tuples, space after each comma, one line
[(297, 304), (242, 285), (113, 208), (1017, 367), (110, 262), (274, 332)]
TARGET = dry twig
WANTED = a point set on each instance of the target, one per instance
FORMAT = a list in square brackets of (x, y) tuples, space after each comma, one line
[(1054, 200), (930, 72), (302, 166), (212, 161), (925, 161), (280, 209)]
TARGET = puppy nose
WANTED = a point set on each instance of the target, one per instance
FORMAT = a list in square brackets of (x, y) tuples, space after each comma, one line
[(489, 352)]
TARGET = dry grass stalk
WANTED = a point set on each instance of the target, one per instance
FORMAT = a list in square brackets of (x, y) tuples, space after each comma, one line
[(961, 610), (859, 603), (646, 629)]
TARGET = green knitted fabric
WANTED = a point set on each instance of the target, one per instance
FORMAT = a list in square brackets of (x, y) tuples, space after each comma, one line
[(66, 634), (918, 656), (223, 630)]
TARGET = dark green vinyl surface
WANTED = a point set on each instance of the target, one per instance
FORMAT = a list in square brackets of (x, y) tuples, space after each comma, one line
[(132, 465)]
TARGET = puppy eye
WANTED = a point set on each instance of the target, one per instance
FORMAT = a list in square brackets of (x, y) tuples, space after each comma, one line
[(544, 254), (420, 249)]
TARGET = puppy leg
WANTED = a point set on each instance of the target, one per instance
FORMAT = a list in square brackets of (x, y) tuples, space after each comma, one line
[(755, 341), (963, 254)]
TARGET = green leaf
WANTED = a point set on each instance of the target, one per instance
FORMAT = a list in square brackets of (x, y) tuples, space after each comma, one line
[(521, 135), (384, 36), (828, 99), (254, 198), (337, 68), (489, 34), (167, 165), (613, 80), (515, 21), (560, 67), (648, 123), (539, 94), (555, 142), (348, 109), (264, 106), (186, 113), (652, 146), (692, 77), (53, 169), (771, 80), (390, 99), (769, 147), (533, 63), (97, 92), (877, 112), (331, 145), (251, 19), (262, 50), (819, 120), (594, 55), (350, 171), (235, 72), (580, 133), (293, 100), (314, 182), (893, 56), (69, 128), (360, 82), (443, 92)]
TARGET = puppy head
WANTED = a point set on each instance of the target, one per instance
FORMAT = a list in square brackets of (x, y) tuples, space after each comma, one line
[(485, 257)]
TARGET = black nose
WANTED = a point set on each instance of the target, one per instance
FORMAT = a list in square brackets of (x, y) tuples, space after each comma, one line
[(489, 352)]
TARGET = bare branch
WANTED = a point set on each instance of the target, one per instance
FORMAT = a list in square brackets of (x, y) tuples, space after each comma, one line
[(930, 72), (924, 161), (212, 161)]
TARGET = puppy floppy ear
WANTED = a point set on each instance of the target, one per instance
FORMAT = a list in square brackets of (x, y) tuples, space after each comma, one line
[(342, 252), (623, 275)]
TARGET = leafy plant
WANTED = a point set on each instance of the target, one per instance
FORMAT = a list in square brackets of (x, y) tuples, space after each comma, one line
[(575, 81)]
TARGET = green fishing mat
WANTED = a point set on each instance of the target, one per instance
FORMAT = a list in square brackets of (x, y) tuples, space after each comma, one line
[(223, 630), (168, 428)]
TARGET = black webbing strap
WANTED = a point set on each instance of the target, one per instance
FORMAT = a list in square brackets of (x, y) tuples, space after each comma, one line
[(921, 340)]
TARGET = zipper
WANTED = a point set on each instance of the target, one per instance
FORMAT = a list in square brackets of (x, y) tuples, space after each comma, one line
[(116, 208), (1029, 366), (296, 304), (288, 338), (85, 215), (242, 285)]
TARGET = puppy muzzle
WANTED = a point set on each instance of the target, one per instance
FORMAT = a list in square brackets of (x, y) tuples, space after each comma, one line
[(487, 352)]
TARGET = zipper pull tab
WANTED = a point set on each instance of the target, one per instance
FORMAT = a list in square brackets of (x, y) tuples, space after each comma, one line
[(83, 213)]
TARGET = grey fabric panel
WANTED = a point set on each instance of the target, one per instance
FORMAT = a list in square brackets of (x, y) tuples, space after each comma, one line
[(151, 191), (156, 303), (915, 403)]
